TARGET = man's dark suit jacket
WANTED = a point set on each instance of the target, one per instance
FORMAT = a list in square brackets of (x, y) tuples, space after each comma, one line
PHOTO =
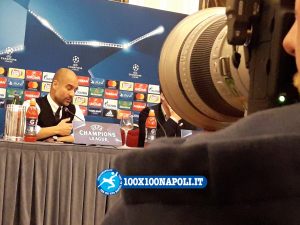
[(252, 168), (46, 117), (170, 127)]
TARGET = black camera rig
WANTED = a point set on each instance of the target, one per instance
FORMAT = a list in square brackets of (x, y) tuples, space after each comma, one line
[(260, 25)]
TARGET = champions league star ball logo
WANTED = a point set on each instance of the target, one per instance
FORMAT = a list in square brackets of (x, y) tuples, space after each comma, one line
[(135, 67), (96, 127), (75, 66), (76, 59), (9, 51)]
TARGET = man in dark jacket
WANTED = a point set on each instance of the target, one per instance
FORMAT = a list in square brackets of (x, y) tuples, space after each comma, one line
[(169, 124), (56, 111)]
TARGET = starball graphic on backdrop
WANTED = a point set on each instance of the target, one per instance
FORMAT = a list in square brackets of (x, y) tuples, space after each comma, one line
[(114, 49)]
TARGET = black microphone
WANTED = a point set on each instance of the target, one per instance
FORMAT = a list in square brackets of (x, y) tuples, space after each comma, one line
[(68, 111)]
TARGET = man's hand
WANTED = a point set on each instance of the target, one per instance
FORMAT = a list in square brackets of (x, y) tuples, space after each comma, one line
[(52, 140), (64, 128)]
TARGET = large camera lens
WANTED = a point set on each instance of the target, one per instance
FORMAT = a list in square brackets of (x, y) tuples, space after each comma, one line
[(203, 79)]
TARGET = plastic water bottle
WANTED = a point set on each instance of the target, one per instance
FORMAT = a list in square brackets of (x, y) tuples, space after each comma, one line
[(150, 128), (31, 121)]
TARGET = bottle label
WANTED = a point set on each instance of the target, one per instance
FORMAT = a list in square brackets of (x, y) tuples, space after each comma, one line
[(151, 122), (150, 135), (30, 127)]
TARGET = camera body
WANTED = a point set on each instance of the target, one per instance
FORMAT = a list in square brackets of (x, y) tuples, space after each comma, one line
[(261, 25)]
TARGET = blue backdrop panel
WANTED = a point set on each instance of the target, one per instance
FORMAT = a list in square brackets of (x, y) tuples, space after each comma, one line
[(113, 47)]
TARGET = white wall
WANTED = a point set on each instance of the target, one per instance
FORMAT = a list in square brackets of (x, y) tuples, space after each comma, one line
[(180, 6)]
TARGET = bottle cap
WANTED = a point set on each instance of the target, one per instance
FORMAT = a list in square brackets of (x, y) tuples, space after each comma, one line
[(151, 113), (32, 102)]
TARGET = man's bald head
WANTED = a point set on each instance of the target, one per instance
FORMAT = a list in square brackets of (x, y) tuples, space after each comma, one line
[(64, 86), (63, 74)]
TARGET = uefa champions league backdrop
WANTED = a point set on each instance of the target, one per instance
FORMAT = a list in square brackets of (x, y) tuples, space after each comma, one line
[(114, 48)]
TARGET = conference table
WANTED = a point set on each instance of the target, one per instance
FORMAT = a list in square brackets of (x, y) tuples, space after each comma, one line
[(49, 184)]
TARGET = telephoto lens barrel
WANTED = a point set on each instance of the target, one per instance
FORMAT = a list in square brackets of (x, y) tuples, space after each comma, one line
[(199, 72)]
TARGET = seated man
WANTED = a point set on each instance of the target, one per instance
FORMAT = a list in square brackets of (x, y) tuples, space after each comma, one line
[(56, 111), (169, 124)]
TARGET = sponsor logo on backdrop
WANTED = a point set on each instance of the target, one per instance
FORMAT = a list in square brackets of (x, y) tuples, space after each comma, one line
[(140, 97), (97, 92), (83, 81), (2, 103), (153, 89), (123, 113), (135, 116), (110, 113), (34, 75), (84, 110), (151, 104), (43, 94), (112, 84), (8, 58), (135, 72), (126, 86), (11, 92), (125, 104), (94, 111), (3, 71), (46, 86), (110, 104), (83, 91), (138, 106), (13, 82), (2, 92), (33, 85), (97, 82), (3, 82), (112, 94), (16, 73), (126, 95), (96, 102), (80, 100), (75, 66), (153, 98), (138, 87), (48, 77), (31, 94)]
